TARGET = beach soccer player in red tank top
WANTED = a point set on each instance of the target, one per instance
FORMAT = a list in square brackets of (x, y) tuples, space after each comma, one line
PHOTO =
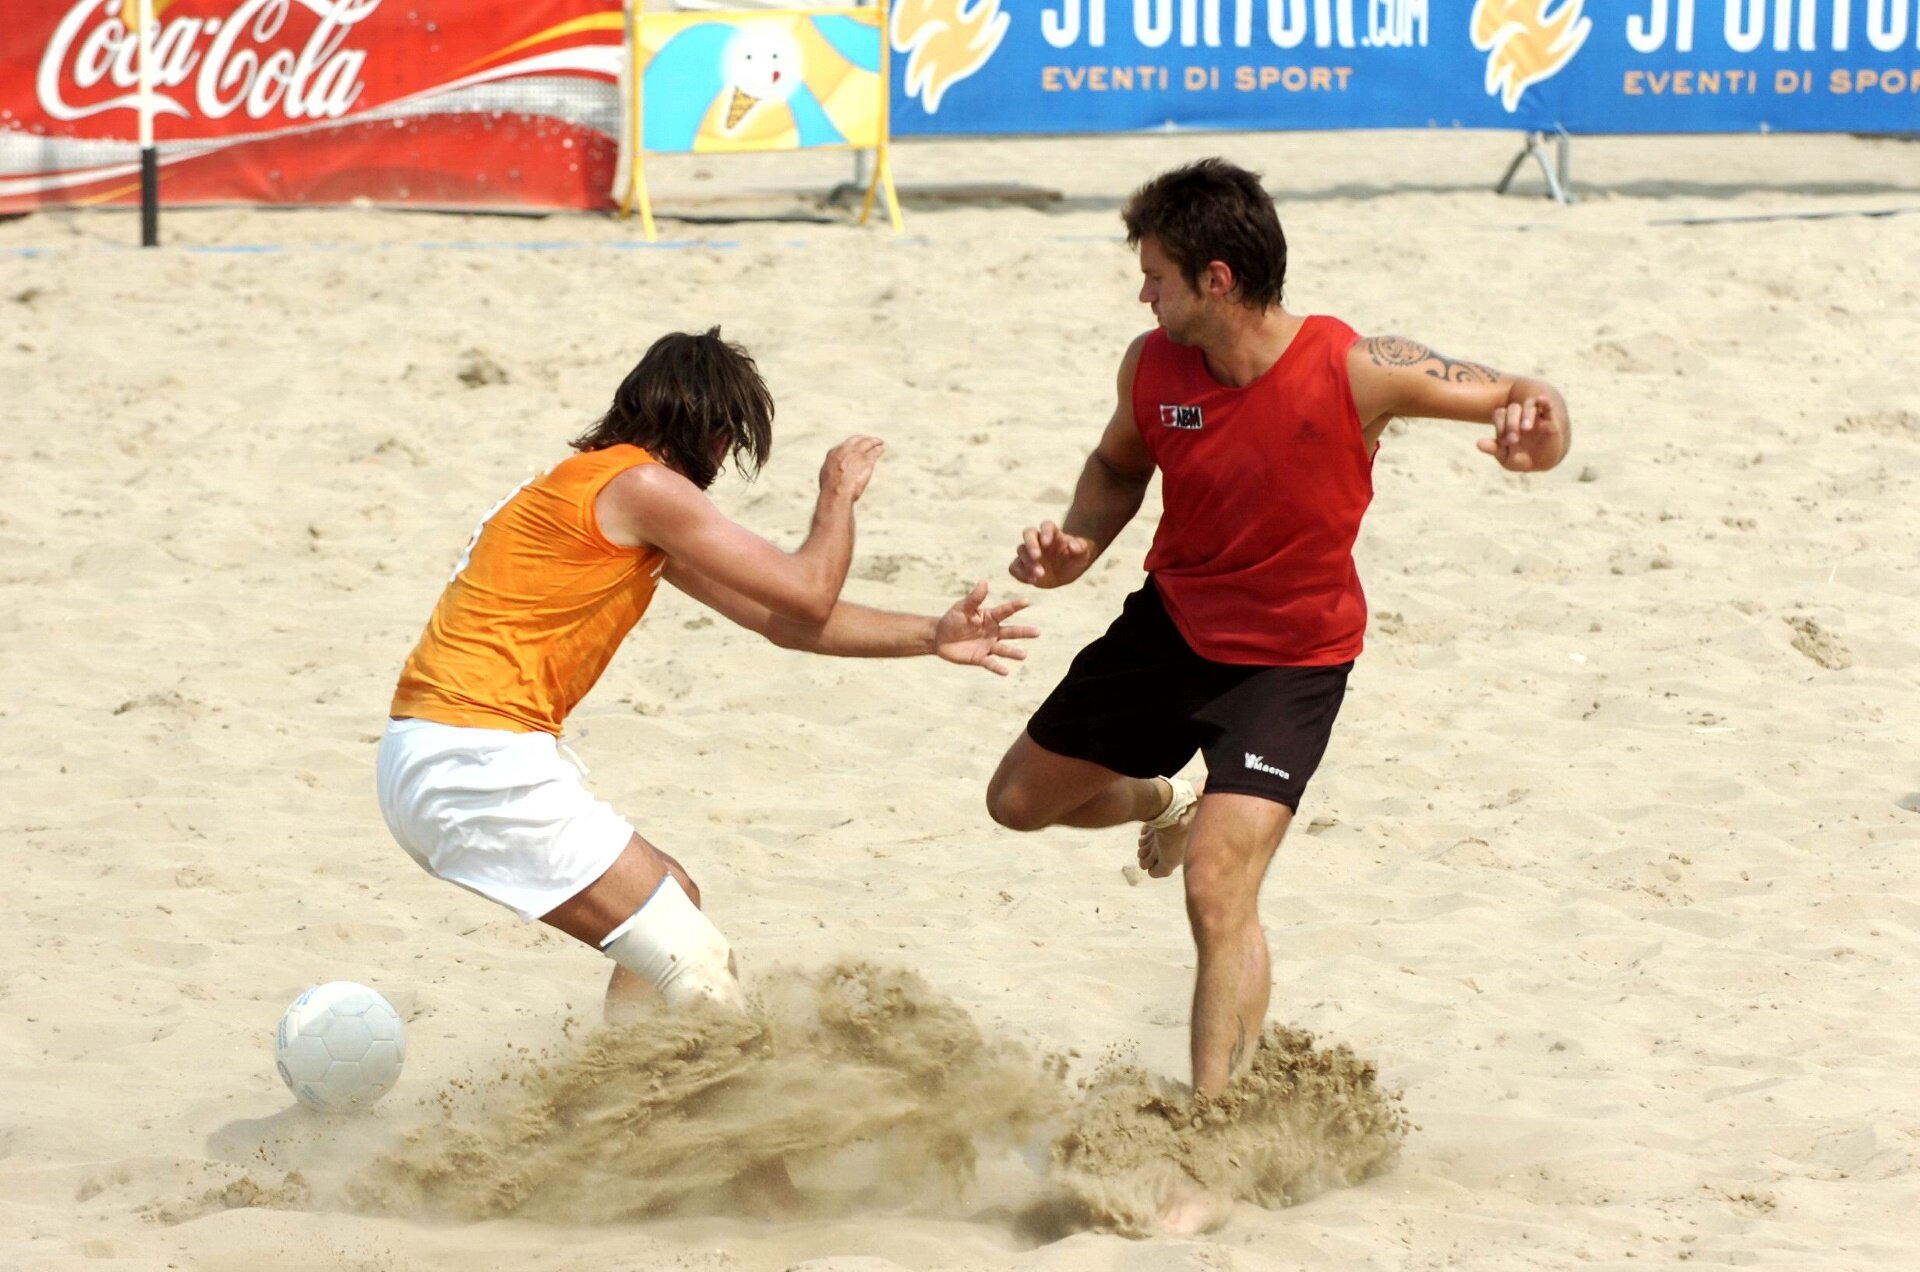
[(1263, 425)]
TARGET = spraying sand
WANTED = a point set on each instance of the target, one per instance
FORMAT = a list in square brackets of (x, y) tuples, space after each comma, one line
[(875, 1092)]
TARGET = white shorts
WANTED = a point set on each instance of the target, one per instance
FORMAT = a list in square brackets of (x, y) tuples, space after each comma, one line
[(501, 813)]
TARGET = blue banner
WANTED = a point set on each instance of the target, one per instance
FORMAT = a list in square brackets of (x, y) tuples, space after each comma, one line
[(1586, 66)]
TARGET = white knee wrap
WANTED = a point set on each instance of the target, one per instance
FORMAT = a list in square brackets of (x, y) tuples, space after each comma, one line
[(675, 948)]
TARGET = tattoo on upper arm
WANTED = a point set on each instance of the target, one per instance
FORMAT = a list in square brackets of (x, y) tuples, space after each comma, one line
[(1398, 351)]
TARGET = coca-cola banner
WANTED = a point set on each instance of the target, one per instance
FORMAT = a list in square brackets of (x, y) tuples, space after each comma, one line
[(451, 103)]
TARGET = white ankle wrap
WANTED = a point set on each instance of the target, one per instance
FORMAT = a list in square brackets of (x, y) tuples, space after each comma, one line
[(675, 948), (1181, 798)]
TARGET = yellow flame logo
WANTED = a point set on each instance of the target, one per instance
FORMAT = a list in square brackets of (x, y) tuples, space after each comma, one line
[(1524, 44), (945, 41)]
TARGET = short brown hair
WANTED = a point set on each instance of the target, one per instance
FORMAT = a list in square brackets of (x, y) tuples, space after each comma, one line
[(687, 395), (1214, 211)]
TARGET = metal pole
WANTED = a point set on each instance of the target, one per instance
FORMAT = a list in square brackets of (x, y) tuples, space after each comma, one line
[(149, 157), (860, 156), (1555, 172)]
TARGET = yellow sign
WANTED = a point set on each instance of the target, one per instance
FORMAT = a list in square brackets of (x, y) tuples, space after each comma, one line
[(759, 81)]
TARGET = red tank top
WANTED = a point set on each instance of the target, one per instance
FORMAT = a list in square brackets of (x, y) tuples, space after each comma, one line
[(1264, 488)]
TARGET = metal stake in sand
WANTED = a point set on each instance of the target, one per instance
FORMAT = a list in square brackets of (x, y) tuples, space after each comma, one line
[(149, 157)]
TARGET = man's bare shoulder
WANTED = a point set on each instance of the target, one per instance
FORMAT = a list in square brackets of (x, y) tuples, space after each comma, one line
[(651, 480), (636, 501), (1130, 360)]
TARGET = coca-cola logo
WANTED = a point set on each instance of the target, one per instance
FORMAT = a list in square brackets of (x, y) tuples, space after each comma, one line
[(239, 62)]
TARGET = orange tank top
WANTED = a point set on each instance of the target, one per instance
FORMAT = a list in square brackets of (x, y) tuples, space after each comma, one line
[(536, 607)]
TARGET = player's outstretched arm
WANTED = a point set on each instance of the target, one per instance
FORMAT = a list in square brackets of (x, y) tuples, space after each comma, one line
[(1392, 375), (1112, 483), (651, 505), (971, 632)]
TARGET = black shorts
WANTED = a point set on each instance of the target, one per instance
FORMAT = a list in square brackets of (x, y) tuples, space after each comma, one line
[(1140, 702)]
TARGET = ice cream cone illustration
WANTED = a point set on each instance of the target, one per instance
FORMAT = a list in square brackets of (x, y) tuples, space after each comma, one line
[(761, 65), (738, 107)]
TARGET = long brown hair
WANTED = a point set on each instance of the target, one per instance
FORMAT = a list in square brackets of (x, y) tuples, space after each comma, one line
[(691, 401)]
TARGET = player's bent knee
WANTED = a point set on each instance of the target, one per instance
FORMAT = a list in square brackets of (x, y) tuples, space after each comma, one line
[(675, 948), (1014, 808), (1217, 901)]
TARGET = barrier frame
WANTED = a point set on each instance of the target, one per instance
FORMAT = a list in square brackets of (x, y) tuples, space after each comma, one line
[(632, 189)]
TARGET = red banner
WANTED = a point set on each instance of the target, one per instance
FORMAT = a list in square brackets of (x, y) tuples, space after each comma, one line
[(448, 103)]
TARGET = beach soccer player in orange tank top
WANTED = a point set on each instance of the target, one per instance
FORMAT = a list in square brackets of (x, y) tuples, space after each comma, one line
[(1263, 425), (472, 779)]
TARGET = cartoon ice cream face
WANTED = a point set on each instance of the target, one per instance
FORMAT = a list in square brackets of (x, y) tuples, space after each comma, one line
[(761, 64)]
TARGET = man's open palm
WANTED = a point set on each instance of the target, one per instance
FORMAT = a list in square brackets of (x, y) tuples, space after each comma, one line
[(975, 634)]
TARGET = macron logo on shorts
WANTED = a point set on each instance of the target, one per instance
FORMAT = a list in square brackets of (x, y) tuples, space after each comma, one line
[(1188, 418), (1259, 762)]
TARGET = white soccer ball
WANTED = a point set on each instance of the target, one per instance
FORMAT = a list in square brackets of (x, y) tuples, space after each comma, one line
[(340, 1047)]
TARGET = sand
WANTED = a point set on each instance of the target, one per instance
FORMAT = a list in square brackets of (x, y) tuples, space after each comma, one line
[(1610, 872)]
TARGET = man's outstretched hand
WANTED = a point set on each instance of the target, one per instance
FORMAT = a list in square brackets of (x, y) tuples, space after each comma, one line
[(975, 634), (1050, 557)]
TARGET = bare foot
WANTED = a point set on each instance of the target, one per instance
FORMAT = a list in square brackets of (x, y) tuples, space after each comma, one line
[(1163, 848), (1186, 1209)]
